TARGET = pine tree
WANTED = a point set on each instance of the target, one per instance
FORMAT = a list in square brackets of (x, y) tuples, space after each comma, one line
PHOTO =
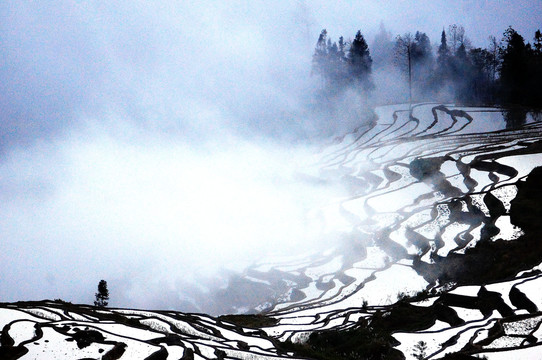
[(422, 63), (480, 79), (320, 58), (421, 49), (462, 73), (382, 48), (334, 64), (329, 62), (420, 350), (102, 296), (360, 62), (443, 59), (537, 42), (536, 71), (443, 50), (342, 46), (341, 78), (515, 67)]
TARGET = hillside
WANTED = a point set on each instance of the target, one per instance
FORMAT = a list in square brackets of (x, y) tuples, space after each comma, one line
[(434, 251)]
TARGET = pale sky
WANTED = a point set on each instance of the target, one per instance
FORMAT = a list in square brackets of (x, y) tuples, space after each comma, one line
[(479, 18)]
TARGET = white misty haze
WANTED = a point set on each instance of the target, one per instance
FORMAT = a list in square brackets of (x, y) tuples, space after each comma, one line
[(157, 214), (151, 144)]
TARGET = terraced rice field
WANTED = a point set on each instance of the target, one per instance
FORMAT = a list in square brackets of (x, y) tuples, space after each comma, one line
[(437, 241)]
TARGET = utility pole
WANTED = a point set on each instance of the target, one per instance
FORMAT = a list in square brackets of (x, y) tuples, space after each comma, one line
[(409, 77)]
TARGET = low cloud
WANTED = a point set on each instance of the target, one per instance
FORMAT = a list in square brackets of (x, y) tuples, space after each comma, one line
[(148, 214)]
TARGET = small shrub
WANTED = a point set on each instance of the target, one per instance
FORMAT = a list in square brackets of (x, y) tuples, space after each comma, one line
[(420, 349)]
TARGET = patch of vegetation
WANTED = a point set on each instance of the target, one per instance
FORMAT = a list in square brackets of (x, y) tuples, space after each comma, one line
[(250, 321), (60, 301), (486, 263), (85, 338), (459, 356), (404, 317), (360, 342)]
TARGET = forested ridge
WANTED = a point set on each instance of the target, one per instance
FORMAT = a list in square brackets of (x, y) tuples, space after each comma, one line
[(506, 72)]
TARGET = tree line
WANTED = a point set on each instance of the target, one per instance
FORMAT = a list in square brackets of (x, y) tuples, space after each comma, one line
[(338, 66), (506, 72)]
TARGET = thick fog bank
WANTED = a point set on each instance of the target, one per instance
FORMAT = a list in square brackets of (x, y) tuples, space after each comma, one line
[(149, 216)]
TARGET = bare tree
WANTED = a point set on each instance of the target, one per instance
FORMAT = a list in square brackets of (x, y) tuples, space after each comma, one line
[(403, 58), (456, 38), (493, 49)]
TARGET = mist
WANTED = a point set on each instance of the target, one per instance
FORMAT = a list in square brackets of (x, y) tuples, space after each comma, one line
[(159, 146), (147, 215), (155, 147)]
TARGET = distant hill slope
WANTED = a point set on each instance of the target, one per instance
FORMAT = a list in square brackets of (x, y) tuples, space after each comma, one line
[(437, 255)]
